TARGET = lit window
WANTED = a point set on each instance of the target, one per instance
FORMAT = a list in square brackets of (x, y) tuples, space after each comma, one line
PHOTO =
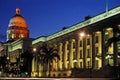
[(21, 35), (12, 36), (106, 37)]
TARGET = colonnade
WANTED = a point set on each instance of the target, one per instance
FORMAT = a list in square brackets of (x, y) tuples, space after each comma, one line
[(84, 52)]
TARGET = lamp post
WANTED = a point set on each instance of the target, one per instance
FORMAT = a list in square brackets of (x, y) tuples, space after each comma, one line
[(34, 49)]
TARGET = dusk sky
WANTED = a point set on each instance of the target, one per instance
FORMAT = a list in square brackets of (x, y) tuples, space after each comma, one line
[(46, 17)]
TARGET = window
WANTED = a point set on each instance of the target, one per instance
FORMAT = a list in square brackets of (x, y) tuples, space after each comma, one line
[(68, 56), (106, 37), (80, 43), (96, 50), (74, 64), (68, 64), (88, 63), (12, 36), (96, 39), (96, 64), (21, 35), (88, 53), (80, 54), (81, 65), (74, 55), (88, 41), (68, 46), (73, 44)]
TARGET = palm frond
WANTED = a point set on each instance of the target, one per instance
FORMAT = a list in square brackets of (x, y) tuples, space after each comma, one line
[(110, 41), (56, 55)]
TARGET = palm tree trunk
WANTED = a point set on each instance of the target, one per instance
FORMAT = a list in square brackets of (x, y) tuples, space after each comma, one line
[(115, 53), (48, 69), (103, 48), (115, 48)]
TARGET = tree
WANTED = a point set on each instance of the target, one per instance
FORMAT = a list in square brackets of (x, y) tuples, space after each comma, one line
[(27, 62), (3, 62), (114, 40), (48, 54)]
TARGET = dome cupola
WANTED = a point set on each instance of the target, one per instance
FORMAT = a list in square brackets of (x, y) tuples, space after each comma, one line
[(17, 27)]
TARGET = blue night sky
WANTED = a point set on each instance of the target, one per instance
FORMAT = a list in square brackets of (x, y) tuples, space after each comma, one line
[(45, 17)]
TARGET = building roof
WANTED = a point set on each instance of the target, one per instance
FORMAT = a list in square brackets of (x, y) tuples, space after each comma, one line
[(80, 25)]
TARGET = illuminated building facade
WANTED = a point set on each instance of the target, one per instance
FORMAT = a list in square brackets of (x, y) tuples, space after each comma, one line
[(83, 45), (17, 42), (79, 46)]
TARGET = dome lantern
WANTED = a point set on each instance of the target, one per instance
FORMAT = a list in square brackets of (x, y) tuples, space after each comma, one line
[(17, 11)]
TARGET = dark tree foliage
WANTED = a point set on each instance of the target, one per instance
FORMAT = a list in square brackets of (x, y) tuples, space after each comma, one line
[(27, 62), (3, 61)]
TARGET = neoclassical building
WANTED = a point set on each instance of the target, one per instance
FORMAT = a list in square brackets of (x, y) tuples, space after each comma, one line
[(17, 41), (82, 45)]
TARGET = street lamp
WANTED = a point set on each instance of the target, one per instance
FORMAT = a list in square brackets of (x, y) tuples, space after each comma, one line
[(34, 49), (82, 34)]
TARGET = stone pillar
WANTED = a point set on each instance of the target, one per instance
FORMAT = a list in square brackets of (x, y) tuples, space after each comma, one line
[(77, 52), (84, 51), (33, 66), (93, 50), (71, 54), (60, 54), (65, 55), (103, 48)]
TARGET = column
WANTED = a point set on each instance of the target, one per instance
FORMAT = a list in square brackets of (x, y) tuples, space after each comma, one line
[(103, 48), (84, 52), (65, 54), (60, 54), (33, 66), (71, 54), (77, 52), (93, 50)]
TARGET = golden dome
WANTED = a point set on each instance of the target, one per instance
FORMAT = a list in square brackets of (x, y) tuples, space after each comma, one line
[(17, 20), (17, 27)]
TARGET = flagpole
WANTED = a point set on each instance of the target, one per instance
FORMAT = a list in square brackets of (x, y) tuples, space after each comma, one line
[(106, 6)]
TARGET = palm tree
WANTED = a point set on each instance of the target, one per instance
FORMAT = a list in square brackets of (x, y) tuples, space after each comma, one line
[(27, 62), (3, 62), (48, 54), (114, 40)]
